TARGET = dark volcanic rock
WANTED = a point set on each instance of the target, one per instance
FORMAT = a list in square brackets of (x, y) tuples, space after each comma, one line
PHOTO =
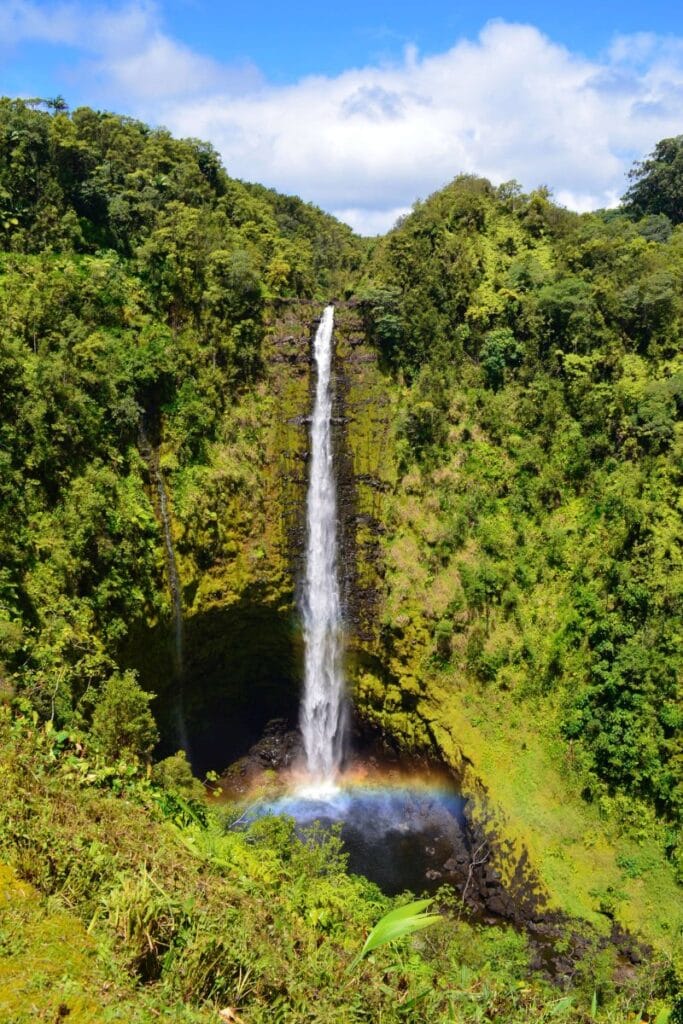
[(279, 748)]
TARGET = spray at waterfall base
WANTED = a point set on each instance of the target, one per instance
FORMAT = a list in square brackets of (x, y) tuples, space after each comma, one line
[(402, 826)]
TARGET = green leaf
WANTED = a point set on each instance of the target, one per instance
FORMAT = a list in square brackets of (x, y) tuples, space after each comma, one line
[(404, 920), (411, 1002), (561, 1006), (594, 1004)]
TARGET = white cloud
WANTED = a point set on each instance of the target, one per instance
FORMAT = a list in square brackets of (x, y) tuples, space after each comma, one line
[(634, 48), (162, 68), (366, 143), (73, 24), (371, 222), (511, 104), (127, 57)]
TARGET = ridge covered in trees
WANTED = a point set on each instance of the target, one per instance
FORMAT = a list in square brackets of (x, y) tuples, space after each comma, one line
[(134, 275), (543, 355)]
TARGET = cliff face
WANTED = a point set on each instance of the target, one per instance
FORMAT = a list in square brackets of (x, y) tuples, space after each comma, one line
[(363, 413), (238, 533), (237, 526), (411, 663), (238, 529)]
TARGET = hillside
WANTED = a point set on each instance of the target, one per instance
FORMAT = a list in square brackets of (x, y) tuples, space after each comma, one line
[(531, 623)]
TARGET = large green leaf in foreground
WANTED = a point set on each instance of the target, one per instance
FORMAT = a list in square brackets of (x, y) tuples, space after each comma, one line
[(402, 921)]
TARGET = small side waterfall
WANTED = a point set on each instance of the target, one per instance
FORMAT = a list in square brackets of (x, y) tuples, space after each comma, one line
[(157, 480), (173, 578), (176, 599), (323, 711)]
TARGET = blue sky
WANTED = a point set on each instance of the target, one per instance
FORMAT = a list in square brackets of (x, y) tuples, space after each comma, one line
[(366, 108), (287, 40)]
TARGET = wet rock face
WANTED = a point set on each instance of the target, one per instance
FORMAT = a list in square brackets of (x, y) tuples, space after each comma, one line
[(277, 751), (279, 748), (361, 437), (237, 536)]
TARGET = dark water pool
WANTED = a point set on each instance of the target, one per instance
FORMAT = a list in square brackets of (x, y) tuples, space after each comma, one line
[(400, 838)]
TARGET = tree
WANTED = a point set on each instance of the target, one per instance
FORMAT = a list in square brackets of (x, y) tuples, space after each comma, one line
[(122, 724), (58, 104), (658, 182), (500, 352)]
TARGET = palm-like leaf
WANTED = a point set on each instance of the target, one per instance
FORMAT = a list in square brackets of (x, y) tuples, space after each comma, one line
[(402, 921)]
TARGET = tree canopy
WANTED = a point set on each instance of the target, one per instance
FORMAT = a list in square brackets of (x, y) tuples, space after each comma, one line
[(657, 182)]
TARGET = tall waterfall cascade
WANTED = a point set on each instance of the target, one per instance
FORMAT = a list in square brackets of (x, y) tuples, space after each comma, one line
[(323, 710)]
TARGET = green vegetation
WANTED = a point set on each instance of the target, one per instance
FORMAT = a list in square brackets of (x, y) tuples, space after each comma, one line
[(657, 189), (133, 290), (542, 427), (405, 920), (514, 395), (167, 915), (534, 552)]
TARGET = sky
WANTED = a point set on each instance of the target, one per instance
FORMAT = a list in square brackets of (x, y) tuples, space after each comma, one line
[(366, 108)]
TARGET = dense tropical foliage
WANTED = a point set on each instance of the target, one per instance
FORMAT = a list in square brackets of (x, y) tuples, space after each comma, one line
[(133, 280), (542, 352)]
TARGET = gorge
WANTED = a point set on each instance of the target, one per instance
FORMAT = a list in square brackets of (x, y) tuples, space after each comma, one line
[(494, 566), (403, 829)]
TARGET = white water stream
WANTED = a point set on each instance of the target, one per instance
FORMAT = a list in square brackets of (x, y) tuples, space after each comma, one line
[(323, 710)]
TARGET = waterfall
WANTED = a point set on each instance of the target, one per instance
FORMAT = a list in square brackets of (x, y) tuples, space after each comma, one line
[(152, 457), (323, 711)]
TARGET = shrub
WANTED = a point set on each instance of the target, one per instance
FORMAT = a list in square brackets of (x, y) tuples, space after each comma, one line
[(123, 725)]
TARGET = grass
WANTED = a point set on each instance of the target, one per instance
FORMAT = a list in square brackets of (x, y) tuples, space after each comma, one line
[(579, 849), (52, 969), (118, 907), (48, 968)]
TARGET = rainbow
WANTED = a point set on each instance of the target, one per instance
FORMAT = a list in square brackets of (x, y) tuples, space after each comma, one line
[(402, 829)]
